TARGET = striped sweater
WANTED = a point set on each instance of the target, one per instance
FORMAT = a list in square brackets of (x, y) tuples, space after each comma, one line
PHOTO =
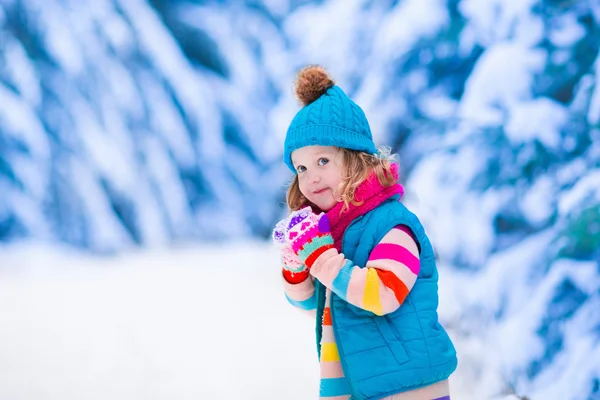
[(380, 287)]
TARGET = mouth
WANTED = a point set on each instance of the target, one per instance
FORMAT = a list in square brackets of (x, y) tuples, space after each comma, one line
[(320, 191)]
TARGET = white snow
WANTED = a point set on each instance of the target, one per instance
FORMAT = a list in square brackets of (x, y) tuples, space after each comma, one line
[(196, 322), (190, 87), (539, 119), (208, 323), (19, 121), (594, 112), (586, 189), (538, 203), (498, 20), (501, 80), (126, 109), (22, 71), (407, 23), (105, 231), (567, 31)]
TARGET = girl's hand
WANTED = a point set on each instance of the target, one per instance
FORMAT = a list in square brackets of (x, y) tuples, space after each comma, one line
[(308, 234), (279, 232), (294, 270)]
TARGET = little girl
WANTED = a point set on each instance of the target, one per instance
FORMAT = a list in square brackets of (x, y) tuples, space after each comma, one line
[(352, 251)]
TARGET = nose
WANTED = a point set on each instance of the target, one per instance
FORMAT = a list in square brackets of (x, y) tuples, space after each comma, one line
[(315, 177)]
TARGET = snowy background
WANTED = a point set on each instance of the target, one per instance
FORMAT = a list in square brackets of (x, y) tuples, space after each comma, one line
[(141, 173)]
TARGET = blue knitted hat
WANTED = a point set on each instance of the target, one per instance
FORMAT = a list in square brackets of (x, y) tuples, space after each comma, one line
[(328, 118)]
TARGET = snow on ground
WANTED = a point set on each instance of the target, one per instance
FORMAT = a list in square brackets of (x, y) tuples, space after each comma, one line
[(190, 323)]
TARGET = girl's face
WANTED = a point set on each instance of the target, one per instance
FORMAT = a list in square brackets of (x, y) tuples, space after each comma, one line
[(319, 170)]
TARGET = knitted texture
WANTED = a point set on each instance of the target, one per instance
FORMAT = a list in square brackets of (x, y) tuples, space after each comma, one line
[(331, 120), (309, 235), (294, 270)]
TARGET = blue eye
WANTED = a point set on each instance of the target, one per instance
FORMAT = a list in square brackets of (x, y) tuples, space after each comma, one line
[(300, 168), (322, 161)]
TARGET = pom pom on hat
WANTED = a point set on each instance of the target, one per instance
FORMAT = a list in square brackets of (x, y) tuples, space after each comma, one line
[(311, 83)]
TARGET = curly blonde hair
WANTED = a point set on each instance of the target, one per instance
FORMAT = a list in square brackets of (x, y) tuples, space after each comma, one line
[(357, 166)]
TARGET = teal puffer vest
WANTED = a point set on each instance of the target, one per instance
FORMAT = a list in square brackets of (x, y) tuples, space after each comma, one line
[(397, 352)]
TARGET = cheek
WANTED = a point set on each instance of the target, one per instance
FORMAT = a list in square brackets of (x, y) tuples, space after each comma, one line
[(302, 186), (338, 181), (335, 179)]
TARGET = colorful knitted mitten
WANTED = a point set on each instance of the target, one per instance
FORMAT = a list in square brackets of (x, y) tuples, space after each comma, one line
[(309, 235), (294, 271)]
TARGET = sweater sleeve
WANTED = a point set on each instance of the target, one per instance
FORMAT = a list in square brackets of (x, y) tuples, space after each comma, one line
[(301, 295), (383, 284)]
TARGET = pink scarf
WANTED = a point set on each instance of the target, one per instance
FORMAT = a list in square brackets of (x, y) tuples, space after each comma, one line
[(372, 194)]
